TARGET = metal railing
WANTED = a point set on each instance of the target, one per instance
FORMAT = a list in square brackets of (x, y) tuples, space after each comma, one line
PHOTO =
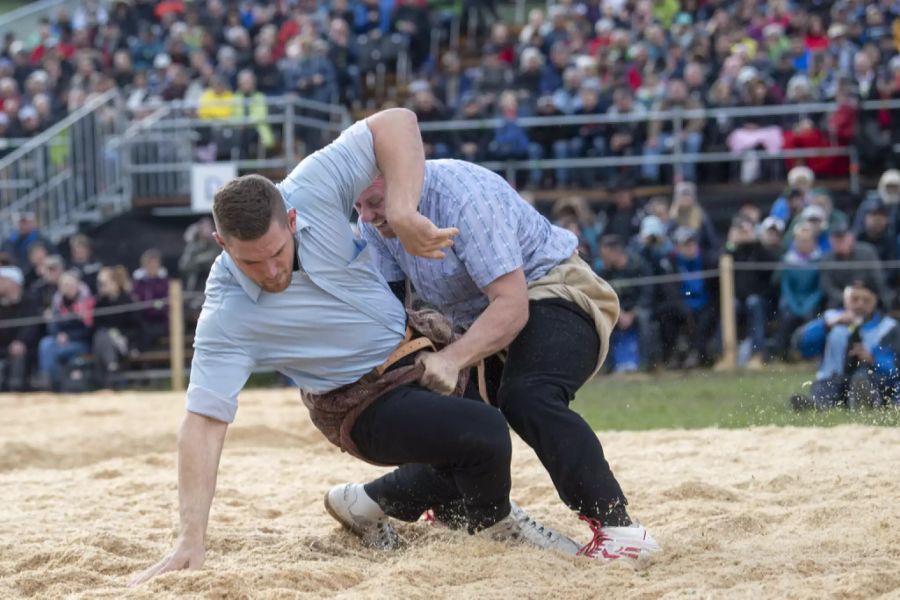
[(67, 174), (159, 151), (162, 147), (95, 162), (26, 18), (677, 157)]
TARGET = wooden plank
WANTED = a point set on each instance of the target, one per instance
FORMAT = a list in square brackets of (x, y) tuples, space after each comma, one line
[(176, 334), (729, 320)]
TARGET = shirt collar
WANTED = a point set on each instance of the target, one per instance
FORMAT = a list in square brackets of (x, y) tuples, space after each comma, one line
[(249, 287)]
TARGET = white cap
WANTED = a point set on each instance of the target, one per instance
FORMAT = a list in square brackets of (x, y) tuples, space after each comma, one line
[(747, 74), (801, 172), (771, 222), (837, 30), (773, 29), (813, 212), (13, 274), (604, 25), (162, 61)]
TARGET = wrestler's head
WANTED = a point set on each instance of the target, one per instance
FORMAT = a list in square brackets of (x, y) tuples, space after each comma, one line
[(370, 206), (255, 228)]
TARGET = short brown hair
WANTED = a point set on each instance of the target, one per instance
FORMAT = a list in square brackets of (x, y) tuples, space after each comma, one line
[(119, 275), (244, 207)]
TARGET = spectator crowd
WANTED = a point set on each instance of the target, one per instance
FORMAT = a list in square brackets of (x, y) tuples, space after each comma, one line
[(807, 279), (73, 324), (622, 58)]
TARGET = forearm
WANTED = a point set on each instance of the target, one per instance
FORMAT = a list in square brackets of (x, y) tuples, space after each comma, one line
[(494, 330), (401, 159), (199, 449)]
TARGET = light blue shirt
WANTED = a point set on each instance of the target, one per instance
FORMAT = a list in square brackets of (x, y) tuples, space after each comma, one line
[(498, 233), (335, 322)]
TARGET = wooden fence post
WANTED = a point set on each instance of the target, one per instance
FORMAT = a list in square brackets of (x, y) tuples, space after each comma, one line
[(176, 335), (726, 306)]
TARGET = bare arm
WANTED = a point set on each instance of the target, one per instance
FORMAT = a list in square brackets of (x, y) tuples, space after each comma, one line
[(199, 449), (493, 330), (401, 160)]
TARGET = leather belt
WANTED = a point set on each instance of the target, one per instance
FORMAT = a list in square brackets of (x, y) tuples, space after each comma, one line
[(407, 346)]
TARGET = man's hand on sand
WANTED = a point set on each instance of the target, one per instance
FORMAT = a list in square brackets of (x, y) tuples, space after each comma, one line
[(421, 237), (185, 555)]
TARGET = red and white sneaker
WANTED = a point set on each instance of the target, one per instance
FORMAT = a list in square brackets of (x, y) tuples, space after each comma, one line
[(611, 543)]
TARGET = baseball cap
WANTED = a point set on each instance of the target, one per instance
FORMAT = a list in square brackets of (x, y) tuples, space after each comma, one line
[(837, 30), (13, 274), (604, 25), (813, 212), (772, 223), (161, 61), (840, 226), (747, 74), (684, 235), (798, 173), (879, 208), (889, 177), (773, 29), (865, 283), (419, 85), (529, 53)]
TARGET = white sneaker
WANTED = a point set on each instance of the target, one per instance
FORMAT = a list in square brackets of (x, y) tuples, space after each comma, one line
[(517, 526), (352, 507), (611, 543)]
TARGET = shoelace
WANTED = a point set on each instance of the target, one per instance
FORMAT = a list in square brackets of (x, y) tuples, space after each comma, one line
[(591, 549)]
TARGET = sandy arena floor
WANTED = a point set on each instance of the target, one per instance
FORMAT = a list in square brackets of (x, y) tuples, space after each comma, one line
[(88, 497)]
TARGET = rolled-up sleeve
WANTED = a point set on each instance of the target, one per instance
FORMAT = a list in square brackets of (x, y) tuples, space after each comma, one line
[(335, 175), (219, 370), (487, 243)]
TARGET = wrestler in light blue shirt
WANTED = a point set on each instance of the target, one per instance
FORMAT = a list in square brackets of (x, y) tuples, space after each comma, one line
[(335, 322), (498, 233)]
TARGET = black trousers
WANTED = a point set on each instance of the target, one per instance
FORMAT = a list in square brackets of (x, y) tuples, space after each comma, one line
[(451, 451), (550, 359)]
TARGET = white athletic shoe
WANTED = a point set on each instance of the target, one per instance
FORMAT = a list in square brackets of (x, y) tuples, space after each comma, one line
[(611, 543), (352, 507), (518, 527)]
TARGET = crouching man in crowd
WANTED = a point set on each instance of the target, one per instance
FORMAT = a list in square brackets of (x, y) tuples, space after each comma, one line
[(861, 361)]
